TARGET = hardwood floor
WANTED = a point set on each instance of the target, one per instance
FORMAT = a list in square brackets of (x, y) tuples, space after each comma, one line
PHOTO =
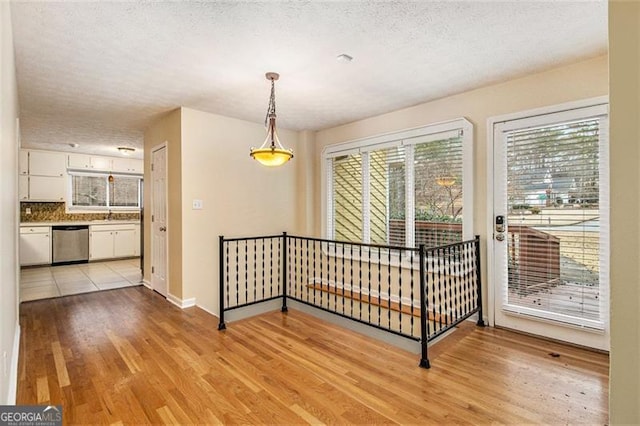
[(128, 356)]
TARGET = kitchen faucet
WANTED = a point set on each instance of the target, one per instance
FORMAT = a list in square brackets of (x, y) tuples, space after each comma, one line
[(110, 215)]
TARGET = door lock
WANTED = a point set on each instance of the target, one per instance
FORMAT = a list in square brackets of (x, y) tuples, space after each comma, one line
[(499, 227), (163, 228)]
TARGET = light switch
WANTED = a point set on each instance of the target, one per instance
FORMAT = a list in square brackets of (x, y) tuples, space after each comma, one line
[(197, 204)]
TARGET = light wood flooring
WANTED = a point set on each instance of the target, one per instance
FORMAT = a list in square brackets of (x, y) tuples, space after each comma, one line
[(129, 356)]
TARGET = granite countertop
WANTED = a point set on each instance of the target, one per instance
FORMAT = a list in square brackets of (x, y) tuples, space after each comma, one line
[(77, 223)]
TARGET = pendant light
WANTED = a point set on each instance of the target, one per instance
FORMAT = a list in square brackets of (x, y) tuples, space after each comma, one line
[(271, 153)]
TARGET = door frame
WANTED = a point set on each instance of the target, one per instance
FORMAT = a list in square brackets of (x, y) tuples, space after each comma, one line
[(491, 122), (158, 147)]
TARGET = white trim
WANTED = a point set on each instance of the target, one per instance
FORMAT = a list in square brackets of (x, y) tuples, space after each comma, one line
[(147, 284), (395, 136), (163, 145), (492, 122), (13, 368), (181, 303), (597, 106), (408, 137)]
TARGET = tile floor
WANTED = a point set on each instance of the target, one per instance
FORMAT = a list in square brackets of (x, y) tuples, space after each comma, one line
[(55, 281)]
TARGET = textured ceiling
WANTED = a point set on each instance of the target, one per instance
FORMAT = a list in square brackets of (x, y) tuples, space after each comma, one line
[(98, 73)]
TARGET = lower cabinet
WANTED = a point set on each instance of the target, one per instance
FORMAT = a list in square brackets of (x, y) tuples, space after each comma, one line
[(113, 241), (35, 245)]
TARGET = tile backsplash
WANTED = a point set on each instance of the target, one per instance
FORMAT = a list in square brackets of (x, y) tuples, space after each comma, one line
[(55, 212)]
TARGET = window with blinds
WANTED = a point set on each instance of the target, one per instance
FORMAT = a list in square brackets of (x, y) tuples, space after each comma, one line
[(93, 191), (555, 201), (402, 189)]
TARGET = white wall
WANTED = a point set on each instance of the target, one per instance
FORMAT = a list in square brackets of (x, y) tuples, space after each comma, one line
[(8, 212), (240, 196)]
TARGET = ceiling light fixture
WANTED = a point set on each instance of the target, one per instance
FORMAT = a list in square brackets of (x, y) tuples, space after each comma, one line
[(125, 150), (271, 153), (74, 145)]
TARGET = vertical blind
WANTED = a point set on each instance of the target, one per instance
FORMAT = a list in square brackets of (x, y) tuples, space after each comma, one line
[(554, 203)]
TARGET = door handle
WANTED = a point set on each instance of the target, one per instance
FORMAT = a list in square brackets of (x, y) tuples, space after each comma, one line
[(163, 228)]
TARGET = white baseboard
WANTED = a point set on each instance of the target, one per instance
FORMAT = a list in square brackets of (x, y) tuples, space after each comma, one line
[(208, 311), (147, 284), (13, 372), (181, 303)]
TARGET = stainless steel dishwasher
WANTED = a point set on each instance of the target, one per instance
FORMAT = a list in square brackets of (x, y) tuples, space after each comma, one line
[(70, 244)]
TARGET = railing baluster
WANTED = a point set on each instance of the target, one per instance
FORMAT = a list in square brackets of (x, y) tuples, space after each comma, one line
[(342, 279), (424, 332), (399, 288), (335, 282), (351, 281), (284, 272), (412, 272), (479, 282), (360, 280), (388, 288), (255, 270), (222, 263), (246, 271), (379, 288), (263, 270), (270, 267), (237, 273), (308, 281)]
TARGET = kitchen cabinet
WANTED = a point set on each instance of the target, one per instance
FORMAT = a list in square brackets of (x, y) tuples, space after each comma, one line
[(35, 245), (47, 163), (88, 162), (128, 165), (46, 188), (23, 188), (23, 162), (42, 176), (113, 241)]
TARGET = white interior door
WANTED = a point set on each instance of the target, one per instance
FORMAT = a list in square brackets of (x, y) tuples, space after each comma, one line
[(551, 225), (159, 246)]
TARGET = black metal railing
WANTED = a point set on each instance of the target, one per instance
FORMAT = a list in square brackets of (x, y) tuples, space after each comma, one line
[(415, 293)]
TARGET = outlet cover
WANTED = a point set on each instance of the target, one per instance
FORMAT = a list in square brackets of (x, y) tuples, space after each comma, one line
[(197, 205)]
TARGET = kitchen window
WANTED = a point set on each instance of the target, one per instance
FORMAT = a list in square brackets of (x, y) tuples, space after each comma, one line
[(403, 189), (95, 192)]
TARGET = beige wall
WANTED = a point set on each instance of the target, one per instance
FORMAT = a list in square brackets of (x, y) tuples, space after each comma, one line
[(166, 130), (9, 213), (624, 65), (569, 83), (240, 196)]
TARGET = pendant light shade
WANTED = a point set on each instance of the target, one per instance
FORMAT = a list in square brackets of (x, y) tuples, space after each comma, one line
[(271, 153)]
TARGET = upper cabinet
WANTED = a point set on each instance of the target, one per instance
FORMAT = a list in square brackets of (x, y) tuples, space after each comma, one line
[(128, 165), (43, 163), (41, 176), (23, 166), (89, 162), (96, 163)]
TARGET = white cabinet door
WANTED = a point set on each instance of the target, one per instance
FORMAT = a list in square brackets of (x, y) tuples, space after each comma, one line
[(100, 245), (23, 188), (43, 163), (101, 163), (128, 165), (124, 243), (35, 246), (79, 161), (45, 188), (23, 167)]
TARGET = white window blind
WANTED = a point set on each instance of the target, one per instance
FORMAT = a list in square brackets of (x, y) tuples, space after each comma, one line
[(402, 189), (557, 201), (347, 197), (94, 191)]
